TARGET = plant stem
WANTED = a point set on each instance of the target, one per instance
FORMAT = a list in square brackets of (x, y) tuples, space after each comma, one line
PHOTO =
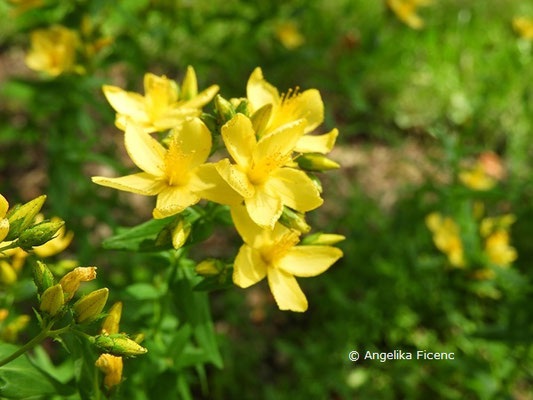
[(28, 346)]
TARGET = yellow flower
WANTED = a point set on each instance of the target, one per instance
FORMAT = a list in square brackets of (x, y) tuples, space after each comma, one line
[(112, 321), (498, 249), (53, 50), (111, 366), (178, 176), (289, 35), (446, 238), (162, 107), (4, 223), (288, 108), (274, 254), (523, 26), (58, 244), (406, 10), (71, 281), (8, 275), (259, 175), (477, 179), (17, 257)]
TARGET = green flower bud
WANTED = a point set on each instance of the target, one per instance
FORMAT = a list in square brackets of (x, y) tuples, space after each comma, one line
[(189, 87), (39, 234), (242, 107), (260, 119), (21, 217), (180, 233), (52, 300), (323, 239), (294, 220), (316, 162), (119, 345), (316, 181), (209, 267), (42, 277), (224, 109), (88, 307)]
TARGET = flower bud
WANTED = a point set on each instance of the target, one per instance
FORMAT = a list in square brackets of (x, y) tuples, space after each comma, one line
[(111, 366), (88, 307), (294, 220), (8, 275), (209, 267), (180, 233), (224, 109), (111, 322), (260, 119), (316, 162), (71, 281), (39, 234), (21, 217), (42, 277), (119, 345), (323, 239), (52, 300), (242, 107), (4, 222), (4, 313), (189, 87), (138, 338)]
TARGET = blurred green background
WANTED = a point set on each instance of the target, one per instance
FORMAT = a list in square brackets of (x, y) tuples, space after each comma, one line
[(412, 107)]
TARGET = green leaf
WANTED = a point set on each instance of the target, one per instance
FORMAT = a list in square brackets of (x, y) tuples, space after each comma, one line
[(143, 291), (19, 379), (218, 282), (193, 308)]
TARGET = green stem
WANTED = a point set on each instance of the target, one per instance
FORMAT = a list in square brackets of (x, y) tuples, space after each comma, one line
[(28, 346), (11, 245)]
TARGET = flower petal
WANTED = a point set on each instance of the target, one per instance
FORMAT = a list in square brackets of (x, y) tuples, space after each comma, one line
[(202, 98), (260, 92), (264, 209), (127, 103), (141, 183), (239, 138), (295, 189), (174, 200), (160, 92), (174, 116), (207, 183), (146, 152), (307, 105), (286, 290), (317, 143), (280, 142), (193, 140), (4, 206), (4, 228), (235, 177), (248, 268), (308, 261)]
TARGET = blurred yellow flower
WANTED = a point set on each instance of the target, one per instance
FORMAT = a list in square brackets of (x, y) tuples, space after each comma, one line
[(259, 175), (289, 108), (446, 238), (477, 179), (57, 244), (112, 367), (4, 223), (11, 331), (177, 175), (406, 10), (498, 249), (162, 107), (274, 254), (8, 275), (53, 50), (289, 35), (523, 26)]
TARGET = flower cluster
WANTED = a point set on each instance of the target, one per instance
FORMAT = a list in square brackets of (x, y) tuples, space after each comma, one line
[(267, 181)]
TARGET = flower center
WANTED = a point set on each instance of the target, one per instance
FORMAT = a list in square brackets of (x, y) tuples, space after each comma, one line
[(278, 250)]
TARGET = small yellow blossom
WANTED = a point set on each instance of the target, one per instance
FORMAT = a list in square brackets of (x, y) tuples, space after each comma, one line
[(446, 238), (53, 50), (289, 108), (274, 254), (8, 275), (498, 249), (4, 313), (58, 244), (52, 300), (162, 107), (259, 175), (523, 26), (111, 366), (289, 35), (477, 179), (71, 281), (89, 306), (112, 321), (4, 222), (177, 175), (406, 10)]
